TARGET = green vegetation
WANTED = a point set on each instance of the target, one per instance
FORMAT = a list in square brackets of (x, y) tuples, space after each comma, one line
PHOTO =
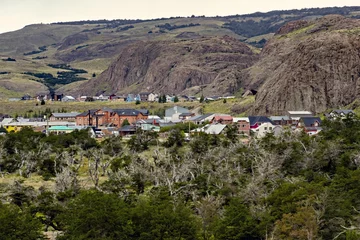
[(212, 187), (41, 49)]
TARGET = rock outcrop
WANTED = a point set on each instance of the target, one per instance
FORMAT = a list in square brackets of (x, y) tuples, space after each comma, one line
[(175, 66), (312, 65)]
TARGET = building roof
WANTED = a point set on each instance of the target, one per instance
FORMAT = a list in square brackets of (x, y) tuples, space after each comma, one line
[(127, 128), (60, 128), (128, 112), (224, 117), (215, 129), (339, 111), (237, 119), (176, 109), (308, 121), (300, 113), (64, 115), (6, 121), (186, 114), (259, 119), (280, 118)]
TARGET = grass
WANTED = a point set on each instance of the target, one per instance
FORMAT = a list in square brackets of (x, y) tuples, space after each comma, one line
[(21, 107)]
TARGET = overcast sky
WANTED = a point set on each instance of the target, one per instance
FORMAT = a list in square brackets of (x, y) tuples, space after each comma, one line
[(15, 14)]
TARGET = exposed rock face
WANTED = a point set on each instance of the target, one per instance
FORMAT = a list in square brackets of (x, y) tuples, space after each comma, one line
[(174, 66), (309, 66)]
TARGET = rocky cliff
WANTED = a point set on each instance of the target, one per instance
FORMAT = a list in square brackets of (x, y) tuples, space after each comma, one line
[(209, 65), (308, 65)]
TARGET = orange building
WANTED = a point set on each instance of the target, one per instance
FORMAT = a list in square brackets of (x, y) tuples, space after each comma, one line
[(107, 116)]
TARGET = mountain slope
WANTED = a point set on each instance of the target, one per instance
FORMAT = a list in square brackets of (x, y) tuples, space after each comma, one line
[(173, 66), (312, 65)]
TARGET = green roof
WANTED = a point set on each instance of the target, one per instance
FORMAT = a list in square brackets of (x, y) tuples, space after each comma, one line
[(60, 128)]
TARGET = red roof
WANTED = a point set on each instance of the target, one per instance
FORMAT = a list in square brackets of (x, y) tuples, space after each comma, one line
[(223, 118)]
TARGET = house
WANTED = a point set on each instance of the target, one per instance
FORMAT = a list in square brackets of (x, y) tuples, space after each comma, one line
[(120, 98), (266, 128), (186, 116), (127, 130), (68, 99), (133, 98), (7, 121), (257, 121), (70, 117), (214, 129), (102, 97), (296, 115), (340, 114), (94, 117), (144, 96), (202, 118), (152, 97), (170, 98), (173, 113), (311, 125), (281, 120), (243, 124), (118, 116), (223, 119), (57, 130)]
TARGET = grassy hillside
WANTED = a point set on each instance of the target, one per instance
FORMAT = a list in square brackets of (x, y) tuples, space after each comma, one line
[(92, 45)]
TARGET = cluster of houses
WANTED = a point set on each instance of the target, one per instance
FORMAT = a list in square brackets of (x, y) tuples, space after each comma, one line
[(125, 122), (141, 97)]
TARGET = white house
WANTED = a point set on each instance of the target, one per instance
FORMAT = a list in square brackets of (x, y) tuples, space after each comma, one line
[(153, 97), (68, 99), (266, 128)]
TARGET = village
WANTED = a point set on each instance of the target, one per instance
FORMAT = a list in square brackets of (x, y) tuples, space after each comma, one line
[(104, 122)]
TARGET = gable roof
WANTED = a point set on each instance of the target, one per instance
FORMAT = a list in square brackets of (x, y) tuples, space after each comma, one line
[(308, 121), (280, 118), (62, 115), (223, 117), (339, 111), (259, 119), (127, 112)]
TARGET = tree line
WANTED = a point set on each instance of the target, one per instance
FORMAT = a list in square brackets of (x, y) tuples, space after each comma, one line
[(212, 187)]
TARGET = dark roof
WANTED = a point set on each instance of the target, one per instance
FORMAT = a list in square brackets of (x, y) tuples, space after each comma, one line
[(339, 111), (186, 114), (144, 111), (259, 119), (127, 128), (308, 121), (84, 114), (128, 112)]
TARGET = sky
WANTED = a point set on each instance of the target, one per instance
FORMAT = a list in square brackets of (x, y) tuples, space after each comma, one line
[(15, 14)]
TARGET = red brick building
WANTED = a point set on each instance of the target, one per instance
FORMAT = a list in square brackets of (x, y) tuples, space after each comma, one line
[(106, 116)]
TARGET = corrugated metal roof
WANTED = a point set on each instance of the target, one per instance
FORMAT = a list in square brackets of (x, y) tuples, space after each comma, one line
[(59, 115)]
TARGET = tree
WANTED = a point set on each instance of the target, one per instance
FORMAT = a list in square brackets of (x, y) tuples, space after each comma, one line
[(42, 102), (96, 215), (176, 138), (89, 99), (18, 224), (125, 123), (176, 99), (224, 101), (202, 99), (137, 102), (93, 75)]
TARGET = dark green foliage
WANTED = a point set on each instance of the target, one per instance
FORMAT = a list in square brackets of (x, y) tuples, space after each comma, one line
[(121, 29), (89, 99), (176, 99), (42, 102), (170, 27), (9, 59), (238, 223), (95, 215), (125, 123), (202, 99), (176, 138), (137, 102), (17, 224), (41, 49), (142, 140)]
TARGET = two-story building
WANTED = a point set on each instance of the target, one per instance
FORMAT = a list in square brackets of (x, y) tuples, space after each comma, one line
[(69, 117)]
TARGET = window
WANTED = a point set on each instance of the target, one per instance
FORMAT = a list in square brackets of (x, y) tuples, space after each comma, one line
[(270, 128), (265, 128)]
